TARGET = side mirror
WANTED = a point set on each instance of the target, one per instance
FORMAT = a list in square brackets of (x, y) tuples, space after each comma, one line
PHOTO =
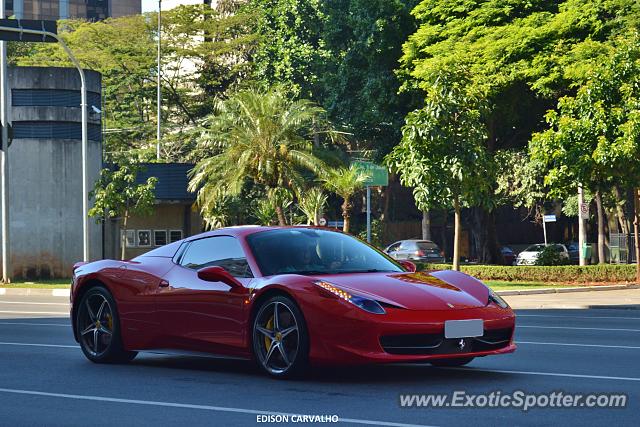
[(409, 266), (218, 274)]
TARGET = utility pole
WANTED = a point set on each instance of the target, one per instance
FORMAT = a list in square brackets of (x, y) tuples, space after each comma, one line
[(4, 158), (159, 90)]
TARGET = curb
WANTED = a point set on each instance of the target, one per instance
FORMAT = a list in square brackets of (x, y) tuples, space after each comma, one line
[(569, 290), (25, 292)]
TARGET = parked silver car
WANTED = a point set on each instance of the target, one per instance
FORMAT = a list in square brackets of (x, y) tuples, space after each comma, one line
[(530, 255), (416, 250)]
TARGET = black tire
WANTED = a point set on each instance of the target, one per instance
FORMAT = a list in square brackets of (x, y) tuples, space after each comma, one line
[(458, 361), (279, 350), (98, 328)]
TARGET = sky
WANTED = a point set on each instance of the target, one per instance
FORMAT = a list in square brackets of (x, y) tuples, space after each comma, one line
[(149, 5)]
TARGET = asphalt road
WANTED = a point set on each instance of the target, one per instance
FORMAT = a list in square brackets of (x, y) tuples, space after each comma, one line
[(45, 379)]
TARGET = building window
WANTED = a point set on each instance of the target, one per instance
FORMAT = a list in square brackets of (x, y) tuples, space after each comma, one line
[(144, 238), (175, 235), (130, 238), (160, 237)]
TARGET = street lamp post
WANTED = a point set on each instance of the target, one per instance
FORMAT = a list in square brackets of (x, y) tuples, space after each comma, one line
[(4, 159), (159, 88), (83, 108)]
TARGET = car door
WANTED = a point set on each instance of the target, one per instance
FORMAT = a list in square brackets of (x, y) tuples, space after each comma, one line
[(201, 315), (405, 250)]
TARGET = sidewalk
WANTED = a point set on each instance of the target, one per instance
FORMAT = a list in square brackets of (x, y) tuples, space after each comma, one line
[(612, 299)]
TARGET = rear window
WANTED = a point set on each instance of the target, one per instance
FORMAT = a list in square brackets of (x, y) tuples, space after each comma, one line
[(427, 245)]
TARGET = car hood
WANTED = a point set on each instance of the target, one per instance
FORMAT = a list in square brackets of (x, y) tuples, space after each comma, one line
[(439, 290)]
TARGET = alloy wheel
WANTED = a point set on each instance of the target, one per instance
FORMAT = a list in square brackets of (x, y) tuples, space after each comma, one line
[(96, 324), (276, 337)]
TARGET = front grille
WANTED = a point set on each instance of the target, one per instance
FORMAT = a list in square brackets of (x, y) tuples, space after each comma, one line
[(425, 344)]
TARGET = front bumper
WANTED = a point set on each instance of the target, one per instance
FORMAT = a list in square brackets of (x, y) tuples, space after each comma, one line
[(352, 336)]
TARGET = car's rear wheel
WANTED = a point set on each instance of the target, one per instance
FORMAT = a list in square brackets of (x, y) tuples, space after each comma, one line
[(98, 328), (280, 339), (458, 361)]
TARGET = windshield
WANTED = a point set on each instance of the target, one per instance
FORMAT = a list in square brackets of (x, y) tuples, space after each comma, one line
[(535, 248), (311, 251)]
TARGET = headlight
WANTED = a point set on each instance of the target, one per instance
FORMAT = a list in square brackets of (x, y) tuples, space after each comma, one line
[(366, 304), (497, 299)]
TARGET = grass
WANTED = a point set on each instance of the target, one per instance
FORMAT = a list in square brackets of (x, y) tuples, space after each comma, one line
[(40, 284)]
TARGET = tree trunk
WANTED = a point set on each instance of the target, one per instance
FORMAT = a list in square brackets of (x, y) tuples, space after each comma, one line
[(636, 219), (483, 230), (456, 235), (601, 236), (426, 225), (123, 243), (345, 215), (620, 211), (282, 221)]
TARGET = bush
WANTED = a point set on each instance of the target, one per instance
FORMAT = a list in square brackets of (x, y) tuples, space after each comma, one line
[(558, 273), (550, 256)]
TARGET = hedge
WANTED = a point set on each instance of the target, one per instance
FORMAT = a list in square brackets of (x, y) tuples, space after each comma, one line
[(559, 273)]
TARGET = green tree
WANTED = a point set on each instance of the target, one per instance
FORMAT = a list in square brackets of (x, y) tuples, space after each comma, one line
[(345, 182), (260, 136), (117, 195), (593, 137), (442, 154), (290, 48)]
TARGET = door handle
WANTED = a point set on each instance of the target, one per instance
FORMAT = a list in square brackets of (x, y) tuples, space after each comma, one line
[(164, 284)]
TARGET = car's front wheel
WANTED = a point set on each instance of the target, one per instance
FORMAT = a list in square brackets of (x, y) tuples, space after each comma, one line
[(98, 328), (280, 339), (458, 361)]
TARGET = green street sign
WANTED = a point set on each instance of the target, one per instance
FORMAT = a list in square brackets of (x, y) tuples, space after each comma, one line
[(378, 175)]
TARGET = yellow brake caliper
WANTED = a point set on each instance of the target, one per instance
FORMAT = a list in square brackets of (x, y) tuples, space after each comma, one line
[(267, 340)]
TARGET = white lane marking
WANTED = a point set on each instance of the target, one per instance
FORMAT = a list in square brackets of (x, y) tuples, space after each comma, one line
[(192, 406), (579, 345), (60, 292), (64, 325), (578, 317), (35, 312), (547, 374), (24, 344), (34, 303), (578, 329)]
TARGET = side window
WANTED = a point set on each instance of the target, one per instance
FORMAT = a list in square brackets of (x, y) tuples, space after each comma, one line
[(223, 251), (407, 245), (394, 247)]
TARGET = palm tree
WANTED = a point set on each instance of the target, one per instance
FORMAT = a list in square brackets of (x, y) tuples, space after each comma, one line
[(345, 182), (259, 136), (311, 203)]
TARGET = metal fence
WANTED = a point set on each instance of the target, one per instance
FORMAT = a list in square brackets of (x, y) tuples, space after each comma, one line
[(622, 248)]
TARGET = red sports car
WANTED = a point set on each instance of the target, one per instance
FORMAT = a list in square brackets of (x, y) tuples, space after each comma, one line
[(286, 297)]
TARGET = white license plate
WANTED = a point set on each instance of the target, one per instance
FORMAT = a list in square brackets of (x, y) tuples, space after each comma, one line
[(463, 328)]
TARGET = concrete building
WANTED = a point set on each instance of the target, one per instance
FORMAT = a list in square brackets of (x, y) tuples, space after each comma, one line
[(45, 175), (173, 217), (93, 10)]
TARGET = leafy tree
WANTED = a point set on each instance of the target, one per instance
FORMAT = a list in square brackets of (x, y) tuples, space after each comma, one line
[(345, 182), (594, 137), (359, 89), (290, 49), (118, 196), (442, 154), (259, 136)]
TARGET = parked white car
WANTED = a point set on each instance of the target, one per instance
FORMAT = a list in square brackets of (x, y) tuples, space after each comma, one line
[(530, 255)]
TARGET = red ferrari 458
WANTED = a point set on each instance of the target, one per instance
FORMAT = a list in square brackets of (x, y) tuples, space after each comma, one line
[(286, 297)]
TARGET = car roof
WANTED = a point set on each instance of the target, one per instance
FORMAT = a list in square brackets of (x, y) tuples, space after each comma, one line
[(246, 230)]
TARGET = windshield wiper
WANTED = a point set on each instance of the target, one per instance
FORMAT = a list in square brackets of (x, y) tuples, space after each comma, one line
[(370, 270)]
